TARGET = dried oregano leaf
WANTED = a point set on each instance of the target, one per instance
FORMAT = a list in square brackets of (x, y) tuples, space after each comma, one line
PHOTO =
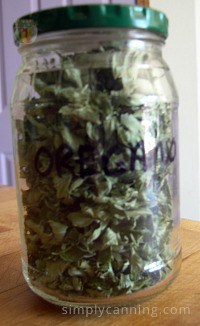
[(96, 150)]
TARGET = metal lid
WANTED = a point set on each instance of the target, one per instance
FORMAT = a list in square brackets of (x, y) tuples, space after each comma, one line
[(96, 16)]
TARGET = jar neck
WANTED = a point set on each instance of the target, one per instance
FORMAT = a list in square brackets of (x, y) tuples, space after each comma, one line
[(89, 40)]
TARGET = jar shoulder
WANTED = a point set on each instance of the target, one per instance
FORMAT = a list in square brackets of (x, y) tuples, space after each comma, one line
[(141, 72)]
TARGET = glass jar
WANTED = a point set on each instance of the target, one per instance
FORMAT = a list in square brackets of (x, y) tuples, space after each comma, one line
[(94, 114)]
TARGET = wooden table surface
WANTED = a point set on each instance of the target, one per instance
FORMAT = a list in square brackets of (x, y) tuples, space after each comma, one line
[(178, 305)]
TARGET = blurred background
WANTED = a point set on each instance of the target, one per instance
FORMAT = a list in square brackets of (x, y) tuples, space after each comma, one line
[(182, 53)]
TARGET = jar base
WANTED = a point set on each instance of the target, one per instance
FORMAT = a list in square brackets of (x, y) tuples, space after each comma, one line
[(56, 298)]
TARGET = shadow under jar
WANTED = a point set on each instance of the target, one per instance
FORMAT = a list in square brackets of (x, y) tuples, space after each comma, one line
[(94, 113)]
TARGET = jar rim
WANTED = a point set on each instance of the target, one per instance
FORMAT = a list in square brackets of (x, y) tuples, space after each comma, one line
[(90, 16)]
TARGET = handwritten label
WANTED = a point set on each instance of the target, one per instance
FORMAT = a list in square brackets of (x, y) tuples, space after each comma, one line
[(112, 162)]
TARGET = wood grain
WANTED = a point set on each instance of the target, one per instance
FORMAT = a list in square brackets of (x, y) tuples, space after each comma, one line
[(179, 304)]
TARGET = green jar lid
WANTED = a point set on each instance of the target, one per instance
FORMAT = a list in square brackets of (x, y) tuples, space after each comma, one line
[(94, 16)]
